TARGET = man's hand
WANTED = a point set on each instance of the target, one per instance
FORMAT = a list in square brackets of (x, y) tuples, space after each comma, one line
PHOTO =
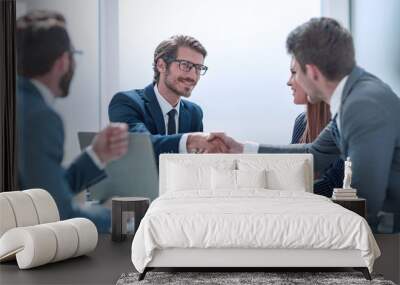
[(199, 143), (111, 143), (232, 145)]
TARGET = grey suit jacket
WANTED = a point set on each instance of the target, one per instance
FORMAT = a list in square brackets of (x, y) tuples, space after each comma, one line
[(369, 135)]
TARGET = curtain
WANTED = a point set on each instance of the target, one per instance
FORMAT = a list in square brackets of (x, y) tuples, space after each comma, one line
[(8, 143)]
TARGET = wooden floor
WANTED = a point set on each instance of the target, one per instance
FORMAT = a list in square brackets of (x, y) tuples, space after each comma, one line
[(389, 262)]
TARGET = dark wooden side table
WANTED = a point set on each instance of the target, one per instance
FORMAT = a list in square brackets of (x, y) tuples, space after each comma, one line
[(358, 205), (126, 214)]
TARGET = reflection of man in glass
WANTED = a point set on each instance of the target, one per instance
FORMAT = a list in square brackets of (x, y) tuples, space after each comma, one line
[(45, 69)]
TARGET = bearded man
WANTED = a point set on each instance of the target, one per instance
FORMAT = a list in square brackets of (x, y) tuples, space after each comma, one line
[(46, 66)]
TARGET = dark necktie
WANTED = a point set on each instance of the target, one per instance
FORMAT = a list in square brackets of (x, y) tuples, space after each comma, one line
[(171, 122)]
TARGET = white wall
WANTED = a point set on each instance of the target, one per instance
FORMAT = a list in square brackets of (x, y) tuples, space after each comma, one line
[(244, 92), (81, 109), (109, 55), (376, 31), (338, 10)]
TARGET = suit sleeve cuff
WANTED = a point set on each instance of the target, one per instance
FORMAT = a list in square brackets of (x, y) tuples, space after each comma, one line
[(96, 160), (182, 144), (250, 147)]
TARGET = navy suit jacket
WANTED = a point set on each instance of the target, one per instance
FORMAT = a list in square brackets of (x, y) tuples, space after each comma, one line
[(140, 110), (40, 154)]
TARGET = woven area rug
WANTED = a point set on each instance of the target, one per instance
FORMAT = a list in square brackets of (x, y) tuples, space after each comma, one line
[(229, 278)]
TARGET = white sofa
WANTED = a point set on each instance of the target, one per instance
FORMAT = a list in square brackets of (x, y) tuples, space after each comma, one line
[(31, 231)]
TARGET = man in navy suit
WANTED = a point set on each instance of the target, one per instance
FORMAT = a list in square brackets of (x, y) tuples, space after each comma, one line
[(175, 124), (45, 69)]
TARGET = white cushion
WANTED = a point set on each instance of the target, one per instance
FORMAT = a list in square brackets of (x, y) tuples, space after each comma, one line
[(31, 246), (66, 237), (183, 177), (223, 179), (251, 178), (7, 218), (87, 235), (186, 175), (226, 179), (45, 205), (170, 177), (26, 208), (23, 208), (40, 244), (288, 177), (281, 174)]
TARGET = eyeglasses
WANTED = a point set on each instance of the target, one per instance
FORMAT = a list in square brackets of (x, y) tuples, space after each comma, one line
[(74, 51), (72, 54), (187, 66), (77, 51)]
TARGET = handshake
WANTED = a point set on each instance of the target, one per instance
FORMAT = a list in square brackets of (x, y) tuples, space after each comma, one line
[(212, 143)]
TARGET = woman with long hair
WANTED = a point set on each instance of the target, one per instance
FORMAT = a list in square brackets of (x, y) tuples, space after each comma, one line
[(308, 125)]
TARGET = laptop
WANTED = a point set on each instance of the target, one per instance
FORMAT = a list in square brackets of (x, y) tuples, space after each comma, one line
[(133, 175)]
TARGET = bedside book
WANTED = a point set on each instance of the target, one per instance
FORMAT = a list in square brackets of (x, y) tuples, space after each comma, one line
[(344, 194), (341, 190)]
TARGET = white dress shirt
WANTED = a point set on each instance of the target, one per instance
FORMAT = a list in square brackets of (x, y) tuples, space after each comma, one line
[(50, 99), (336, 100), (165, 108)]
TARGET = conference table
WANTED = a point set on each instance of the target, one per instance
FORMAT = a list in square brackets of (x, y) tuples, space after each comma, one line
[(104, 265)]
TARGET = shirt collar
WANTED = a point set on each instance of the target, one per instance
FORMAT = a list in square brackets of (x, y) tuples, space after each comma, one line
[(164, 104), (336, 98), (47, 95)]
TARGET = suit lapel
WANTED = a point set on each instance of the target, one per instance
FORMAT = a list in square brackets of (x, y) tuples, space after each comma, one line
[(335, 131), (154, 108), (184, 118), (355, 74)]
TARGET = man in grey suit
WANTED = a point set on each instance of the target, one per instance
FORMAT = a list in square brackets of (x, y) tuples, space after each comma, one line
[(365, 124)]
